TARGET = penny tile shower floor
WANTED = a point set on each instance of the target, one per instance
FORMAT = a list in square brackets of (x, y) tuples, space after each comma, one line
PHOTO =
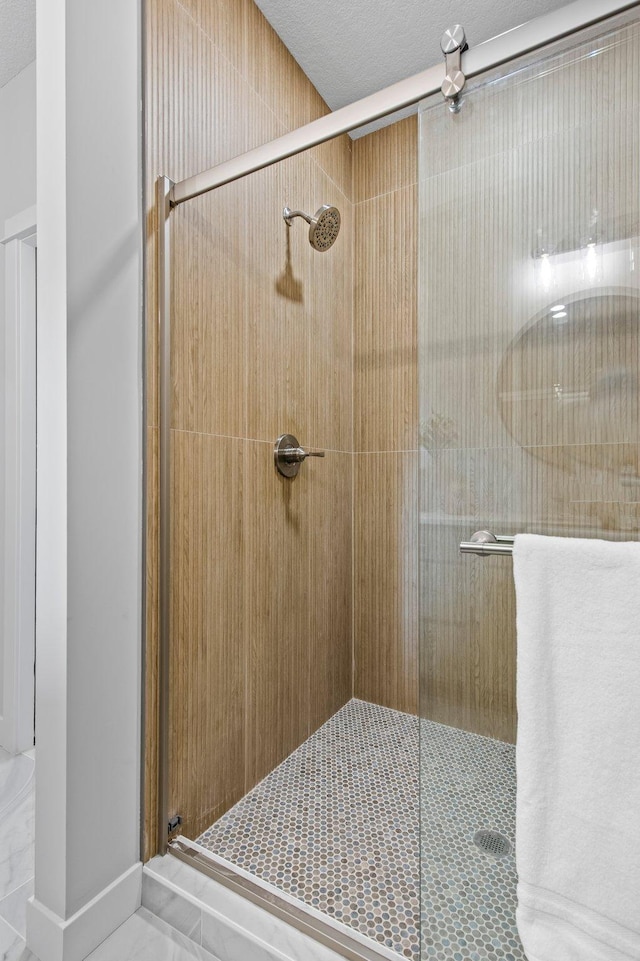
[(336, 825)]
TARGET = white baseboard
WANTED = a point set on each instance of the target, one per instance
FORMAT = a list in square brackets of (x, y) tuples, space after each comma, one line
[(51, 938)]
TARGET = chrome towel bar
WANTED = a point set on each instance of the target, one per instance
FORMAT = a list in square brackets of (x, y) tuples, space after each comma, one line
[(484, 543)]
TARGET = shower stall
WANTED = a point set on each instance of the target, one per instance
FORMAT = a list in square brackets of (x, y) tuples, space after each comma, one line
[(331, 680)]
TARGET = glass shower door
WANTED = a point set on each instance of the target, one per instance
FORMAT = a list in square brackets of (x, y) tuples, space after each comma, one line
[(528, 367)]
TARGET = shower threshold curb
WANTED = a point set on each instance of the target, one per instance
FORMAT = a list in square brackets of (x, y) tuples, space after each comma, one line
[(233, 916)]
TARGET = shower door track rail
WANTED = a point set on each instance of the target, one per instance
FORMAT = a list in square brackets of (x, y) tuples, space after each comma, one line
[(513, 43), (345, 944)]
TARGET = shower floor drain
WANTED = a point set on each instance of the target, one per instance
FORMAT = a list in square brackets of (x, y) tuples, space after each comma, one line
[(492, 842)]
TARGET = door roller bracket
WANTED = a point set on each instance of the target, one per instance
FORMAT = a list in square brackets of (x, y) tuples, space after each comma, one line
[(453, 44)]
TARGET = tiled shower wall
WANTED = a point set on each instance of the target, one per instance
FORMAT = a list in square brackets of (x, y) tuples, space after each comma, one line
[(530, 410), (385, 532), (287, 597), (262, 333)]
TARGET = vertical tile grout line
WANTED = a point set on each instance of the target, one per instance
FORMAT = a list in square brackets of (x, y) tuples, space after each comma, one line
[(354, 220), (311, 593)]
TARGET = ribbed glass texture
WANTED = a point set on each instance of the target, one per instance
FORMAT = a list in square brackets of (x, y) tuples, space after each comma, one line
[(529, 303)]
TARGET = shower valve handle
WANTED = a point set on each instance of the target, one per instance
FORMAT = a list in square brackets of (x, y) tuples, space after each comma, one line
[(296, 455), (288, 455)]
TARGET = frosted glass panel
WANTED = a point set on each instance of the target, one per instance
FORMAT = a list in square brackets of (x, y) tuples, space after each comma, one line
[(529, 304)]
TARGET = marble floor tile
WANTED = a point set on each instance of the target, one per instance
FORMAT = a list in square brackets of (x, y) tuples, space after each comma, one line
[(144, 937), (17, 812), (233, 928), (12, 946), (177, 911), (15, 775), (176, 872), (17, 842), (13, 907)]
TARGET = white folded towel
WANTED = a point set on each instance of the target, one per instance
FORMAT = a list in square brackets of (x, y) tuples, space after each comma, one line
[(578, 748)]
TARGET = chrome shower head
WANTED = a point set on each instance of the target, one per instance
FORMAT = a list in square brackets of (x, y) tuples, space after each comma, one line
[(324, 227)]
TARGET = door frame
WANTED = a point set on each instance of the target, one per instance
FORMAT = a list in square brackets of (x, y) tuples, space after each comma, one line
[(19, 615)]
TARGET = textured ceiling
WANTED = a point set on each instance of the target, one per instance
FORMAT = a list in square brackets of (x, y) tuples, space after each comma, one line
[(17, 37), (347, 49), (351, 48)]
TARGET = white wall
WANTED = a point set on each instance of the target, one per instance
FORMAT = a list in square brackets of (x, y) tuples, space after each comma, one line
[(89, 474), (17, 192)]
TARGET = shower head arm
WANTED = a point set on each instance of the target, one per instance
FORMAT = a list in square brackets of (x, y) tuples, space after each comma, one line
[(290, 214), (324, 226)]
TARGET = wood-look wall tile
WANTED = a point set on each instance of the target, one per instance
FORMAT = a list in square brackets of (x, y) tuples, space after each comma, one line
[(385, 160), (209, 336), (582, 490), (385, 323), (266, 65), (467, 636), (277, 524), (480, 485), (249, 42), (277, 303), (329, 304), (469, 328), (385, 579), (529, 423), (275, 74), (495, 214), (467, 626), (245, 38), (240, 31), (574, 380), (223, 23), (385, 417), (200, 111), (208, 649), (199, 106), (152, 358), (336, 159), (219, 82), (151, 712), (330, 585)]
